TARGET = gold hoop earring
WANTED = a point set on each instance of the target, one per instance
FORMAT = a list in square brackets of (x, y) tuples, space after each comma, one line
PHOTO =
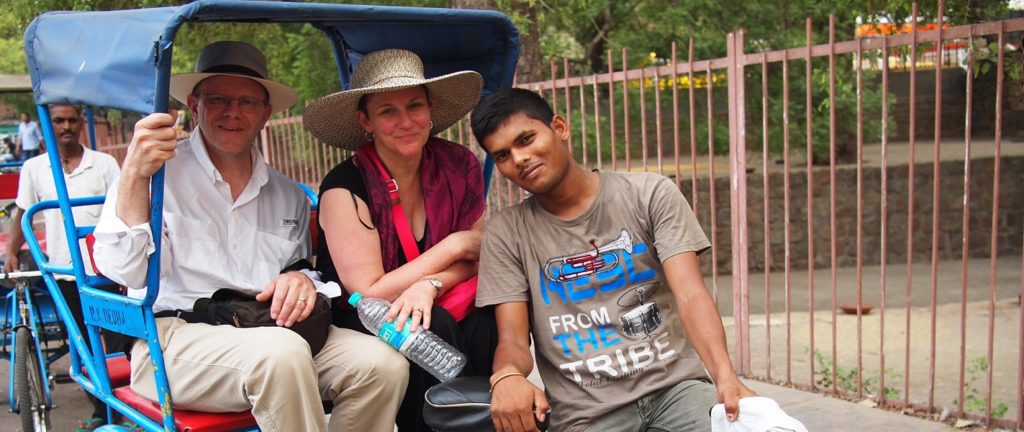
[(368, 136)]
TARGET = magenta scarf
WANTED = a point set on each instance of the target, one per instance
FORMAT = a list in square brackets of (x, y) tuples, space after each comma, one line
[(453, 189)]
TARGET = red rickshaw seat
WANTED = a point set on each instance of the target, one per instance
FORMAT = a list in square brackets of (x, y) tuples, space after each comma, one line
[(184, 420), (119, 370)]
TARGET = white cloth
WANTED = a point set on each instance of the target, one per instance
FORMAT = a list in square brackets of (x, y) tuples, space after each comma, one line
[(757, 414), (209, 241), (94, 175), (30, 135)]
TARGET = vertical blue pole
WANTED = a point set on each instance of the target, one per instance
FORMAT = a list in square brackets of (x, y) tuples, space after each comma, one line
[(162, 57), (92, 127)]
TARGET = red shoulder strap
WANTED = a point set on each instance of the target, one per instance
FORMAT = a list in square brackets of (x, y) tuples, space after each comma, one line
[(402, 226)]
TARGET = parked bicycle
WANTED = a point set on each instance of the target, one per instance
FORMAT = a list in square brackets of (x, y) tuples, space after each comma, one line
[(33, 338)]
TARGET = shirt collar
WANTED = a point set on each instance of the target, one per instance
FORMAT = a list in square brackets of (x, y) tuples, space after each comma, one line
[(86, 163), (259, 166)]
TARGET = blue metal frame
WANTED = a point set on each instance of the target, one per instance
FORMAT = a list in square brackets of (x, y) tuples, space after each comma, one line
[(92, 126), (314, 199), (369, 27), (15, 164), (95, 366)]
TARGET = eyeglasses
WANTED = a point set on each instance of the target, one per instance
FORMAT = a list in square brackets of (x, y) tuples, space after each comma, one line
[(245, 104)]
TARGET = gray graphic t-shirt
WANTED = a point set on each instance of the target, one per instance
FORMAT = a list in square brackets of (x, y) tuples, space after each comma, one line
[(603, 319)]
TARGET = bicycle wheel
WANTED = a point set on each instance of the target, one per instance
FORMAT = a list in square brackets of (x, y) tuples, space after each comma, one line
[(29, 382)]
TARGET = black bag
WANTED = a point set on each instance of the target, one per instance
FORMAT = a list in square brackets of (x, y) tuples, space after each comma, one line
[(235, 308), (462, 405)]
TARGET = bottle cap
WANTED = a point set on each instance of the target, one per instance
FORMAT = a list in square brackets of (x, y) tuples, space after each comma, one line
[(354, 298)]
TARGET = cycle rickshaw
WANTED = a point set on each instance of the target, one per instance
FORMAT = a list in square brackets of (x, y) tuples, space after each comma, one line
[(122, 60)]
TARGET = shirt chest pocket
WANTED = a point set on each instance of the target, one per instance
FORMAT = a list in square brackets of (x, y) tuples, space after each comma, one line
[(272, 251), (194, 243), (278, 244)]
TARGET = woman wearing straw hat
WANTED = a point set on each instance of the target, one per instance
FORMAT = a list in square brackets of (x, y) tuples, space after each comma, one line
[(402, 219)]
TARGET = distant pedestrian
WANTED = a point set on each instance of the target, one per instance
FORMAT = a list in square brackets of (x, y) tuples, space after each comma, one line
[(29, 138)]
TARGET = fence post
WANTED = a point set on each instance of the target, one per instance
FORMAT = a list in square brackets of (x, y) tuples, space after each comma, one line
[(738, 199), (265, 143)]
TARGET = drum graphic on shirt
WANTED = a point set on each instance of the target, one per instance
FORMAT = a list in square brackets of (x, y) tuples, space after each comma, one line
[(644, 319), (590, 262)]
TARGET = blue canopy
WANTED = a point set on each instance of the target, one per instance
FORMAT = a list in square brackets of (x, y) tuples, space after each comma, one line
[(122, 59)]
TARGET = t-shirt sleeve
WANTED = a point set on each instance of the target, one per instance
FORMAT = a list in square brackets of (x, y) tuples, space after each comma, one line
[(345, 176), (676, 229), (502, 273), (27, 195)]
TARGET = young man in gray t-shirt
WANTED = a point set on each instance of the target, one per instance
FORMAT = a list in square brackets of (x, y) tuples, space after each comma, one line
[(601, 268)]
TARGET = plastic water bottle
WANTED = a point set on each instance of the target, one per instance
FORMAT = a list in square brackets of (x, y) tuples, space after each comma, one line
[(424, 348)]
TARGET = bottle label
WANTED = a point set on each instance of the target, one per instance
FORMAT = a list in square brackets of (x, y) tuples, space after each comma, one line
[(393, 337)]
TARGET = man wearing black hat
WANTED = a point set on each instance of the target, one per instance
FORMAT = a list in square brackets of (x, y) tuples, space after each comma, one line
[(231, 221)]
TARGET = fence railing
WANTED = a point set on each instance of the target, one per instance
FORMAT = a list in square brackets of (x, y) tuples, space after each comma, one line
[(834, 204)]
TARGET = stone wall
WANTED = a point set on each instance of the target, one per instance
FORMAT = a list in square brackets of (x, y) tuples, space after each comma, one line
[(1010, 229), (954, 105)]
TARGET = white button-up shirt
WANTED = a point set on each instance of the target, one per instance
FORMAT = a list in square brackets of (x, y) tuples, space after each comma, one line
[(209, 240), (94, 174)]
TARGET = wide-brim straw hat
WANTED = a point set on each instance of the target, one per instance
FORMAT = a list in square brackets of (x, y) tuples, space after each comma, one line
[(233, 58), (333, 120)]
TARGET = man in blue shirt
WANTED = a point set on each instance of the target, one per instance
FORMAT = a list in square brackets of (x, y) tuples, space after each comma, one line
[(29, 138)]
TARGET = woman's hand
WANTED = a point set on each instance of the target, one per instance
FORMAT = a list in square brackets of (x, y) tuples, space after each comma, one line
[(413, 304)]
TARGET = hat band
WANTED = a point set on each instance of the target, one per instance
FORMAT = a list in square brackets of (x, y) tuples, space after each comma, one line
[(234, 69), (392, 78)]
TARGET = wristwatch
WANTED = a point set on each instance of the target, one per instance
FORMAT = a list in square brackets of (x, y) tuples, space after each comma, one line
[(436, 283)]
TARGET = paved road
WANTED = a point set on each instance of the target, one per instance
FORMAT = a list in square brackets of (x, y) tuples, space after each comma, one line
[(820, 413), (1008, 283)]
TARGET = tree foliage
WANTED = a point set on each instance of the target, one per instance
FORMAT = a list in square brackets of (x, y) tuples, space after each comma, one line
[(645, 26), (582, 30)]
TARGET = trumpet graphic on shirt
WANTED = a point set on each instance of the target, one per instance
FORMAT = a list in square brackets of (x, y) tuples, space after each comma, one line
[(590, 262)]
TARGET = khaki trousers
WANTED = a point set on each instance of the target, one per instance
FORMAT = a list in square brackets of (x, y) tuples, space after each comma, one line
[(269, 371)]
